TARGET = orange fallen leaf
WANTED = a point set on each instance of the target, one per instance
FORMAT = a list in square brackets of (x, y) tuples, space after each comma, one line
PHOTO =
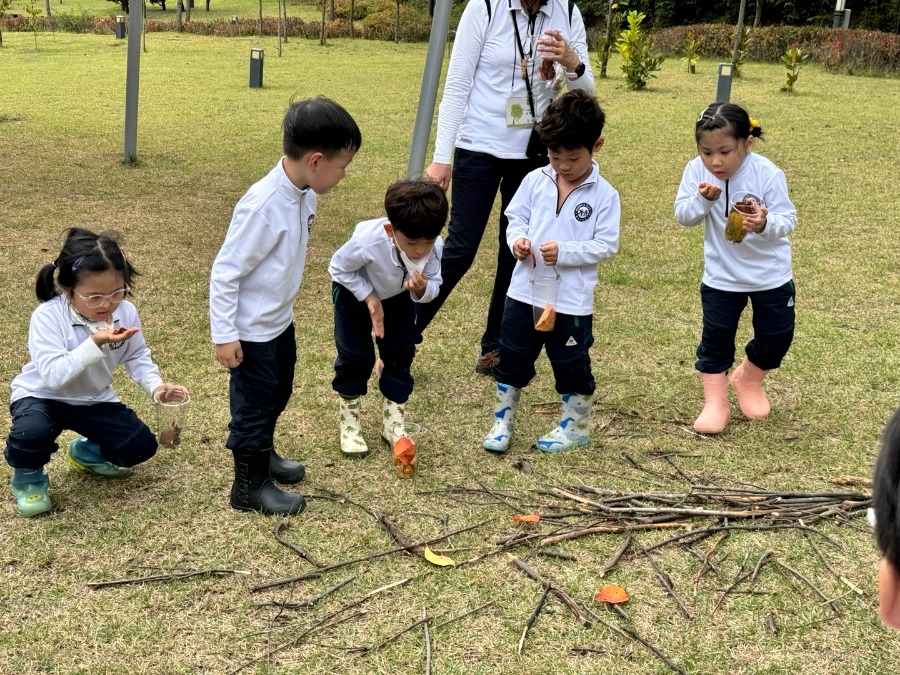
[(404, 450), (612, 594), (526, 518)]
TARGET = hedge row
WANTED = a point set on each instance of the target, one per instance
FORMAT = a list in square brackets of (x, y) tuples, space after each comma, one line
[(377, 26), (852, 52)]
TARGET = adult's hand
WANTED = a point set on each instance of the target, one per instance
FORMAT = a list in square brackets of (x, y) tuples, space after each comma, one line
[(439, 173), (553, 47)]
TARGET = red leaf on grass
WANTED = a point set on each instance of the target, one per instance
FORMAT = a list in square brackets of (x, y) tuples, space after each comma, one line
[(612, 594), (526, 518)]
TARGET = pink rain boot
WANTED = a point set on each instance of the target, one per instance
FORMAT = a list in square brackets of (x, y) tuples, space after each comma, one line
[(746, 381), (715, 413)]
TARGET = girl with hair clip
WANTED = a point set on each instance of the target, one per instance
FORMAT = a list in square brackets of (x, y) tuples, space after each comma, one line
[(83, 328), (742, 199)]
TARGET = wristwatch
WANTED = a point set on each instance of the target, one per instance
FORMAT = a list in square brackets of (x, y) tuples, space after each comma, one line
[(579, 71)]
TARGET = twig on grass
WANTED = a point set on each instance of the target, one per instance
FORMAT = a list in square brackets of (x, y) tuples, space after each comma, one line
[(466, 613), (534, 615), (706, 563), (613, 560), (809, 583), (372, 556), (666, 582), (303, 553), (739, 577), (557, 554), (367, 650), (573, 605), (309, 602), (634, 636), (175, 576)]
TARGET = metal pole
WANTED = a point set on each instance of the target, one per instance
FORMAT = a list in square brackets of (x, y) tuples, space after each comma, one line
[(132, 74), (434, 60)]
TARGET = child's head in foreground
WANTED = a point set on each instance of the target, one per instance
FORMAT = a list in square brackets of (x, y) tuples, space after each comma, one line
[(417, 211), (322, 137), (724, 133), (886, 500), (572, 130)]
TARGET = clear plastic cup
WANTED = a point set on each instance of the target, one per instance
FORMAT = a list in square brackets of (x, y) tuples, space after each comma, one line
[(406, 448), (544, 293), (171, 419), (742, 204)]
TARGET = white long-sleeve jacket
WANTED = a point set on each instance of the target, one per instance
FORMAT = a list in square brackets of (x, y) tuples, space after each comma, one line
[(585, 227), (66, 365), (761, 261), (369, 262), (257, 273), (485, 70)]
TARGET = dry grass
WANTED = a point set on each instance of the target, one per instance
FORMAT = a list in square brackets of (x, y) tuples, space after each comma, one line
[(204, 137)]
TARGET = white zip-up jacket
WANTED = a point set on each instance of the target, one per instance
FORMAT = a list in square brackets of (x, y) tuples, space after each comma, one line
[(586, 229), (369, 261), (485, 70), (256, 275), (66, 365), (761, 261)]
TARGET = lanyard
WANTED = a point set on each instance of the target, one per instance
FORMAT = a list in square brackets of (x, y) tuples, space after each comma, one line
[(525, 74)]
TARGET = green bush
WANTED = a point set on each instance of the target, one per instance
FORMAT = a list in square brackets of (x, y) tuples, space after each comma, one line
[(414, 26), (634, 46), (851, 52)]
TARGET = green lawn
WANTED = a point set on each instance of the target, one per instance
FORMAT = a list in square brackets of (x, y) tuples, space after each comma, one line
[(204, 137), (218, 9)]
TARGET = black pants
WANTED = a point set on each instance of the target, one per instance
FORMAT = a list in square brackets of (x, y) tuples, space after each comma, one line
[(356, 354), (476, 178), (773, 327), (568, 348), (37, 422), (259, 391)]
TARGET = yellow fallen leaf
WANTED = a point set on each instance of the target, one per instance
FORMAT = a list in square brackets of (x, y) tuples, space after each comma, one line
[(439, 560)]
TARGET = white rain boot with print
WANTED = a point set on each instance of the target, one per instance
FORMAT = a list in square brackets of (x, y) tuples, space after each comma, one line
[(505, 406), (352, 442), (573, 430), (392, 414)]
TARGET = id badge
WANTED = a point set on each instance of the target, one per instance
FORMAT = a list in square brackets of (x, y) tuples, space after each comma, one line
[(518, 112)]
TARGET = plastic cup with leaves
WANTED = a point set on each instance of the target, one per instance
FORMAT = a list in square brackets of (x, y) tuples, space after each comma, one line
[(406, 446), (171, 419), (742, 204)]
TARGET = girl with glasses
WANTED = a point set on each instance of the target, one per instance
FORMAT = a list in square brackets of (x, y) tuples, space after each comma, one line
[(83, 328)]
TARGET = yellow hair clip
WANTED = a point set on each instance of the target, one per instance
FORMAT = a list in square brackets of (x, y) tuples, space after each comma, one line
[(753, 123)]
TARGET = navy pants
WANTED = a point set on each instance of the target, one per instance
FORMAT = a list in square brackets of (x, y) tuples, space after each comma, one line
[(568, 348), (476, 178), (356, 353), (773, 327), (37, 422), (259, 391)]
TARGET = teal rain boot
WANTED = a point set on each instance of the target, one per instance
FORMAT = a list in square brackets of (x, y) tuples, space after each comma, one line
[(573, 430), (85, 455), (30, 488), (505, 406)]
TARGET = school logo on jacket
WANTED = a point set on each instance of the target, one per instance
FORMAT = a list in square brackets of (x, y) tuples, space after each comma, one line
[(583, 211)]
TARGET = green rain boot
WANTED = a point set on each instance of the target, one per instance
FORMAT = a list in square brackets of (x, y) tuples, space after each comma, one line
[(352, 442), (573, 429), (30, 488), (505, 406), (85, 455), (391, 414)]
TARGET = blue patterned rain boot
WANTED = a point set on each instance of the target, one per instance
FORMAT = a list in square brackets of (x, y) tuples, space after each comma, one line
[(85, 455), (505, 406), (573, 429), (29, 487)]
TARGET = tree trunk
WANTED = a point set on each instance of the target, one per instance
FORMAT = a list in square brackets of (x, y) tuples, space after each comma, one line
[(207, 5), (187, 9), (604, 57), (47, 7), (738, 34), (178, 9), (260, 18), (278, 23), (758, 16), (397, 23), (331, 10), (284, 19), (144, 24), (322, 34), (352, 9)]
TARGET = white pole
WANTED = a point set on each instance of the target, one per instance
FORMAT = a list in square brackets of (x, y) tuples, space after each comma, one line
[(132, 75)]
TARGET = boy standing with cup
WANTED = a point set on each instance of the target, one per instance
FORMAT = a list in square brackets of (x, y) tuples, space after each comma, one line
[(563, 221)]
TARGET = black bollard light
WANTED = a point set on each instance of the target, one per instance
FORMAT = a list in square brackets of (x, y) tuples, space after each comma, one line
[(723, 84), (120, 27), (256, 67)]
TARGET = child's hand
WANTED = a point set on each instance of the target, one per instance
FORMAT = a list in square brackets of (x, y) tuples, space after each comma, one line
[(168, 392), (101, 337), (756, 221), (417, 283), (230, 354), (376, 311), (550, 253), (709, 191), (521, 248)]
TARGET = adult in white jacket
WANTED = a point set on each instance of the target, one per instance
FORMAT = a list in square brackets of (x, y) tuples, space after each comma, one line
[(751, 261), (503, 50)]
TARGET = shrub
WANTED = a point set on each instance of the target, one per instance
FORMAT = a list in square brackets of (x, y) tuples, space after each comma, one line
[(634, 45), (414, 26), (691, 51), (792, 60)]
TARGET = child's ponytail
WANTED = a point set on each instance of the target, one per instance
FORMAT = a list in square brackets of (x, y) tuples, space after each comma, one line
[(45, 284)]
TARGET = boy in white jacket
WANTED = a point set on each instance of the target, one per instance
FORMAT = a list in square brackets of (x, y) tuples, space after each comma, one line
[(380, 275), (563, 221)]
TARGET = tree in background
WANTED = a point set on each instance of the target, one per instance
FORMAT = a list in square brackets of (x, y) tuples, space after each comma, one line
[(4, 5), (634, 45)]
